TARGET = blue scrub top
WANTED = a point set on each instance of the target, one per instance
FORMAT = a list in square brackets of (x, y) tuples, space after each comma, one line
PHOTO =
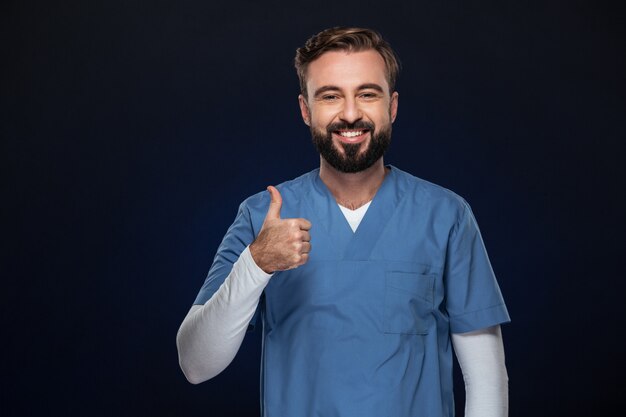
[(363, 328)]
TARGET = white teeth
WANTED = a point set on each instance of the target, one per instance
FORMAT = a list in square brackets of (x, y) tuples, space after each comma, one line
[(351, 134)]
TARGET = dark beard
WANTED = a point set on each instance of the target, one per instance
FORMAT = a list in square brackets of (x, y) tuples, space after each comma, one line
[(352, 160)]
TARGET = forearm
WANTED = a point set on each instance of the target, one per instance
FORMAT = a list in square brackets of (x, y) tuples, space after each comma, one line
[(211, 334), (481, 357)]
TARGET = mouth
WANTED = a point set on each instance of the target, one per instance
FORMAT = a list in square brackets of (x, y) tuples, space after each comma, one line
[(351, 135)]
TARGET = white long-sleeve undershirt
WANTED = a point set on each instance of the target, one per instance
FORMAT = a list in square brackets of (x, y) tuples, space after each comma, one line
[(481, 358), (211, 334)]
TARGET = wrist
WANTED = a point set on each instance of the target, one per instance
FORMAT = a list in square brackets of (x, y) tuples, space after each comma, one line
[(257, 257)]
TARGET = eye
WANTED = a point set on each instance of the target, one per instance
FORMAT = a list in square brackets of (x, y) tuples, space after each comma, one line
[(330, 97), (369, 96)]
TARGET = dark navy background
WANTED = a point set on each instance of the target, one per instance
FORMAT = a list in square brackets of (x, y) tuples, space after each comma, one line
[(132, 130)]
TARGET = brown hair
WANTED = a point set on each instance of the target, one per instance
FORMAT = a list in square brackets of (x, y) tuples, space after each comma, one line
[(345, 39)]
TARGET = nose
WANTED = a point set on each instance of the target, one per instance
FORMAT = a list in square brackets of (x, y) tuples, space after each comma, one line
[(350, 112)]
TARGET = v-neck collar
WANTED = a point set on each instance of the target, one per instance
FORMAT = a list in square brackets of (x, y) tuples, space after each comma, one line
[(351, 245)]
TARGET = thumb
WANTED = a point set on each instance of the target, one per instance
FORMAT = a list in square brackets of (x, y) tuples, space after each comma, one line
[(275, 204)]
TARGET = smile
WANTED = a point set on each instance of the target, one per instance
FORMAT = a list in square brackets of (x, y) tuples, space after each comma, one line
[(351, 133), (351, 136)]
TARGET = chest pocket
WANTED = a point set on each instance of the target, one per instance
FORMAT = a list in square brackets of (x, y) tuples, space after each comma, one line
[(409, 299)]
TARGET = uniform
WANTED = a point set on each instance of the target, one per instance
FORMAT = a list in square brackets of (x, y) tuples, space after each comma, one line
[(363, 328)]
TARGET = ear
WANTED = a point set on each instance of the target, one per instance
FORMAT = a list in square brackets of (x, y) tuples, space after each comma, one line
[(393, 106), (304, 110)]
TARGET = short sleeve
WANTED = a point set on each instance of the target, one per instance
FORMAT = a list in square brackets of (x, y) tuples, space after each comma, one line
[(239, 235), (473, 297)]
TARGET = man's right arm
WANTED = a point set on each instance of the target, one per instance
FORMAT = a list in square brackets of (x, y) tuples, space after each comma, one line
[(211, 334)]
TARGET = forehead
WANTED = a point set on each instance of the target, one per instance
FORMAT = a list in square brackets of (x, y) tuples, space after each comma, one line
[(347, 69)]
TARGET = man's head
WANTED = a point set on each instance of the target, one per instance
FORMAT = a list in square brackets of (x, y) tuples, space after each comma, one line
[(346, 40), (347, 78)]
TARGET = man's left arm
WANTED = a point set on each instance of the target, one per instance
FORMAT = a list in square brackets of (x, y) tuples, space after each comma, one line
[(481, 357)]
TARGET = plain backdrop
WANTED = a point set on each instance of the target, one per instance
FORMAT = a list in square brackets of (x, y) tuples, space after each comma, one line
[(131, 131)]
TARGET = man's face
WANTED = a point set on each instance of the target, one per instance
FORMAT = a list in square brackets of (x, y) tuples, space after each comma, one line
[(349, 108)]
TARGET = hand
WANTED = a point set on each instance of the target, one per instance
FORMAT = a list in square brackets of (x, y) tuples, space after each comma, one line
[(282, 243)]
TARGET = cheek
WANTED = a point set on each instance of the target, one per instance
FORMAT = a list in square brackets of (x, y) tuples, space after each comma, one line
[(323, 114), (383, 116), (320, 120)]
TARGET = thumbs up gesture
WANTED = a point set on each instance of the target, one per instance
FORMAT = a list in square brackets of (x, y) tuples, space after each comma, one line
[(282, 243)]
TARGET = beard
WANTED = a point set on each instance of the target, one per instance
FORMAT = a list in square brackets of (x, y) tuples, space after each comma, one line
[(353, 158)]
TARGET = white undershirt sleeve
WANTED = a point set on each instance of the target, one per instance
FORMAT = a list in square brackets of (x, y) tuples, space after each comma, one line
[(481, 357), (211, 334)]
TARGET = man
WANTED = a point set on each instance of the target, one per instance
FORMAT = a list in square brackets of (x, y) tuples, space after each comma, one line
[(362, 275)]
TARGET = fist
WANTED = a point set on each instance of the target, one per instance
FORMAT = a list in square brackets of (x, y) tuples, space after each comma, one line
[(282, 243)]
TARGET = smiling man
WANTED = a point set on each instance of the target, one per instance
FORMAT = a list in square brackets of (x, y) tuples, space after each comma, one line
[(351, 124), (362, 275)]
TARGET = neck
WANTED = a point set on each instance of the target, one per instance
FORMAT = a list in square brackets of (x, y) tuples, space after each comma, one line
[(352, 190)]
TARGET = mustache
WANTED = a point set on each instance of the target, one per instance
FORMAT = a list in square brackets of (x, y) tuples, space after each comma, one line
[(358, 125)]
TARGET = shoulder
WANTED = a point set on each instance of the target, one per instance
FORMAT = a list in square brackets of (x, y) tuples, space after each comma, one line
[(292, 192), (424, 193)]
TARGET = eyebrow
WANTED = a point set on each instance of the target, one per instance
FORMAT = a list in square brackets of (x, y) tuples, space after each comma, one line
[(366, 86)]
